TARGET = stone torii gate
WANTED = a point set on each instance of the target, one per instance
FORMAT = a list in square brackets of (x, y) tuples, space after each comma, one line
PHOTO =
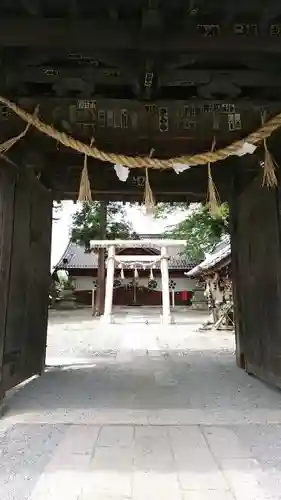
[(112, 259)]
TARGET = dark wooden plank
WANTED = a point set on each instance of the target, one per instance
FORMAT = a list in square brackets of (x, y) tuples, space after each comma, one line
[(7, 194), (236, 285), (257, 275), (19, 257), (27, 309), (16, 312), (190, 185), (39, 278), (125, 76), (50, 103), (78, 34)]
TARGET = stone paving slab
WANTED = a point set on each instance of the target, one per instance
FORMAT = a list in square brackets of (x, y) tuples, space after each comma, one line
[(138, 412), (46, 462)]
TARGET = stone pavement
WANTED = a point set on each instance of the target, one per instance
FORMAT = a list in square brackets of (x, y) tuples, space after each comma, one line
[(135, 411)]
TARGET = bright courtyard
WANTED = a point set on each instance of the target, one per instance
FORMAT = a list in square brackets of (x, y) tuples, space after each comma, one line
[(138, 411)]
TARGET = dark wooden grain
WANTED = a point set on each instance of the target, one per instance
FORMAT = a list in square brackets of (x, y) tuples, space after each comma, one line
[(25, 326), (39, 278), (78, 34), (257, 278), (7, 193)]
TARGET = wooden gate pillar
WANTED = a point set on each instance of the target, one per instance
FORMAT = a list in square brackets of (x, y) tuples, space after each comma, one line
[(7, 196), (235, 230), (39, 269), (25, 244), (256, 265)]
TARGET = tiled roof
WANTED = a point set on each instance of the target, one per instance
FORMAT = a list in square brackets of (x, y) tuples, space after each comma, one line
[(75, 257), (219, 258)]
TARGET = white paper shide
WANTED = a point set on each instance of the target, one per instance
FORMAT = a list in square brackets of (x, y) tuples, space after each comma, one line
[(122, 172)]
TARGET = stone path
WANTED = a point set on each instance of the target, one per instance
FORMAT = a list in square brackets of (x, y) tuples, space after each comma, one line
[(135, 411)]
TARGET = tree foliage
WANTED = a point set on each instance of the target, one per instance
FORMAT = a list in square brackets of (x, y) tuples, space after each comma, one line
[(87, 223), (164, 210), (201, 230)]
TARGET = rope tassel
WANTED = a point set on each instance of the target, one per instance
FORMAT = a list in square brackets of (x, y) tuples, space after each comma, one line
[(122, 276), (213, 200), (151, 277), (149, 201), (269, 165), (85, 193)]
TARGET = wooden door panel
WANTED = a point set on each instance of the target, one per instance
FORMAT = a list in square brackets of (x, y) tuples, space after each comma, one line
[(24, 328), (256, 255)]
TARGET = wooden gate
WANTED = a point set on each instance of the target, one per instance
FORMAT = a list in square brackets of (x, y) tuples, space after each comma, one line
[(256, 263), (25, 242)]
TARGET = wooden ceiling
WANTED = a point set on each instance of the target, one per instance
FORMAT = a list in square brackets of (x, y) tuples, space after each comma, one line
[(138, 75)]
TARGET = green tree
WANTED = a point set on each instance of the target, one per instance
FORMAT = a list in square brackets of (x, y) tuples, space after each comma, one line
[(164, 210), (100, 220), (201, 230)]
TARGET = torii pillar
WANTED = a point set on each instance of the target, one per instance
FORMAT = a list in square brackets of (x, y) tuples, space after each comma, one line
[(107, 317), (166, 317)]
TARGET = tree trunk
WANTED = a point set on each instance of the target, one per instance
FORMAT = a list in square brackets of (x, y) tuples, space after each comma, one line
[(99, 310)]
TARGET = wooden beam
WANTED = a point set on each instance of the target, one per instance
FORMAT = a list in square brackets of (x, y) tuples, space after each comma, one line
[(48, 104), (137, 244), (89, 35), (42, 74), (249, 77), (17, 75), (190, 186), (177, 141), (131, 197)]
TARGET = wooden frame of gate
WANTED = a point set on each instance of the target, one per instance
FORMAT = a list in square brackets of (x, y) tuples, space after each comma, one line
[(25, 244)]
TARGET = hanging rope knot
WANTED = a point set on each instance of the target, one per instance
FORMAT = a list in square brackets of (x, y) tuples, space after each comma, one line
[(7, 145), (269, 165), (149, 201), (213, 200), (85, 193)]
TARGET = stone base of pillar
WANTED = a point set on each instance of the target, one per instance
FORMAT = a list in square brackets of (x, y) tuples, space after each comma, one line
[(107, 319), (167, 320)]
